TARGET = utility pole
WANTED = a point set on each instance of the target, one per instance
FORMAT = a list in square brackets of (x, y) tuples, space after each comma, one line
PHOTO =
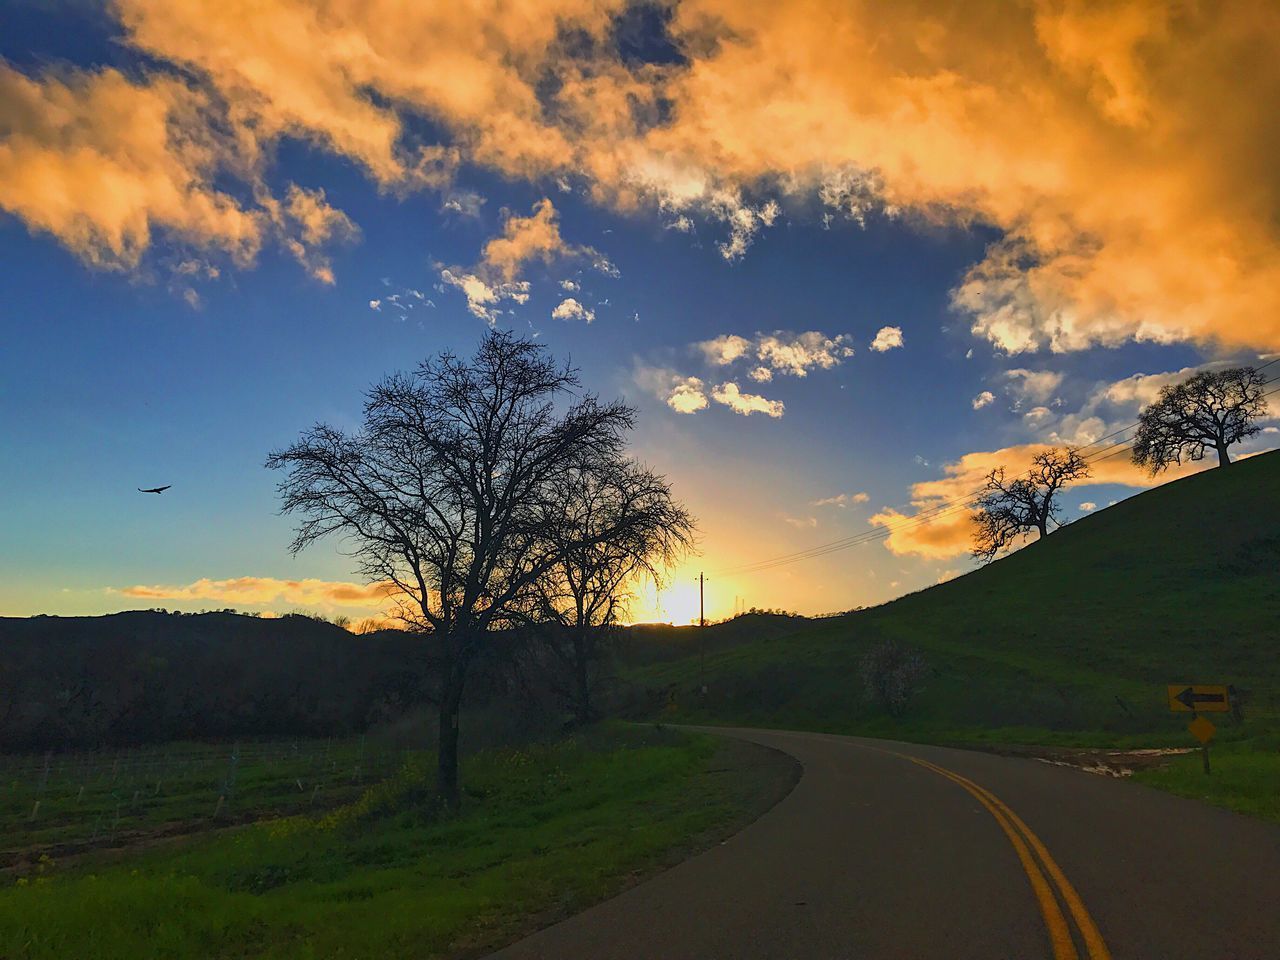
[(702, 639), (702, 620)]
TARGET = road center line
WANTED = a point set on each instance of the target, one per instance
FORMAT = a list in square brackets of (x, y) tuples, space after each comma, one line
[(1084, 922), (1019, 836)]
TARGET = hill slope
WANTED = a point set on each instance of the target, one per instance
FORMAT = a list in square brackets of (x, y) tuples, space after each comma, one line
[(1076, 635)]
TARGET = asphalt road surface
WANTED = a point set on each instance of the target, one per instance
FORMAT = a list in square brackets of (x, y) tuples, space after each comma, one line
[(887, 849)]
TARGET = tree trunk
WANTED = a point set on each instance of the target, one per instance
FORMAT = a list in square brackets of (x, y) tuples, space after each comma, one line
[(447, 755), (1223, 459), (447, 741), (582, 682)]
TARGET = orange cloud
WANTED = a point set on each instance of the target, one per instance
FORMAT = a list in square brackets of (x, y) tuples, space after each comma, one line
[(91, 158), (1125, 149), (259, 590), (535, 237), (938, 531)]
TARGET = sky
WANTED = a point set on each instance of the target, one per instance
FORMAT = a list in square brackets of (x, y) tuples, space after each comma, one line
[(844, 258)]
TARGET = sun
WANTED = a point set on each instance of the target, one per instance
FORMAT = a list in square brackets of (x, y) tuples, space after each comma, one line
[(676, 602)]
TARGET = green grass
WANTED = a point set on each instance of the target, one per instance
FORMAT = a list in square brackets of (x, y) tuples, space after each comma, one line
[(106, 799), (1245, 777), (544, 831), (1069, 641)]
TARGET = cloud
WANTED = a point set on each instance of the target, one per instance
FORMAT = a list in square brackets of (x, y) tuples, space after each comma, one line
[(842, 500), (261, 590), (886, 339), (725, 349), (778, 352), (93, 159), (985, 398), (465, 203), (571, 309), (570, 285), (535, 237), (1034, 385), (746, 403), (802, 523), (947, 530), (682, 394), (484, 300), (1088, 506), (1122, 153), (496, 278)]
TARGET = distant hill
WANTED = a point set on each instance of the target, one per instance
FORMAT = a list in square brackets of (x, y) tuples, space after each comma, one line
[(147, 676), (1077, 633)]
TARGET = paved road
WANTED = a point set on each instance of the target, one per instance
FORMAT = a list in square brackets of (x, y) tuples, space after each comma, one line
[(893, 850)]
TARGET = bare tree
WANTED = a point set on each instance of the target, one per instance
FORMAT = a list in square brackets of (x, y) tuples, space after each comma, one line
[(450, 495), (1213, 408), (1009, 509), (620, 524)]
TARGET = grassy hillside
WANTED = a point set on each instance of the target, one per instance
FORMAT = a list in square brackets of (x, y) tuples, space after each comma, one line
[(1071, 639)]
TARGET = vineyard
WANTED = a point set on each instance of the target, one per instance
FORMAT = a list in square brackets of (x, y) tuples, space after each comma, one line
[(59, 805)]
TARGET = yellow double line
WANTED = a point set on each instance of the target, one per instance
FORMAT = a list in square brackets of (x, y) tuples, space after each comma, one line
[(1025, 842)]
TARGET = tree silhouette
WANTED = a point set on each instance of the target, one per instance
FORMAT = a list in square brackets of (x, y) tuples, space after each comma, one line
[(1009, 509), (620, 523), (1213, 408), (451, 492)]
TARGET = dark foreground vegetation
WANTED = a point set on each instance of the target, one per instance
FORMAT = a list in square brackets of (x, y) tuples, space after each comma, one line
[(546, 829)]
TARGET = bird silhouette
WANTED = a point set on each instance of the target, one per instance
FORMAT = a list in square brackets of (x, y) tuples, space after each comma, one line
[(156, 489)]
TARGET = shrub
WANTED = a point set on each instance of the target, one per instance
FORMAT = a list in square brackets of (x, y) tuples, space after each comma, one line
[(892, 673)]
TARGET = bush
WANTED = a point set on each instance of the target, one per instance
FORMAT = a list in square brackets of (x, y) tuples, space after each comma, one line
[(892, 673)]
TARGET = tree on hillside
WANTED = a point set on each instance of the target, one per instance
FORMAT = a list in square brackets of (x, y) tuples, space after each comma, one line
[(1010, 509), (451, 492), (619, 523), (1213, 408)]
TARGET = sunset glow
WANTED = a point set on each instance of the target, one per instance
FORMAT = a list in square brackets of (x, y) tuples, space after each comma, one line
[(843, 258)]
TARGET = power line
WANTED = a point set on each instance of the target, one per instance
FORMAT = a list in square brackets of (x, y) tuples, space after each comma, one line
[(938, 511)]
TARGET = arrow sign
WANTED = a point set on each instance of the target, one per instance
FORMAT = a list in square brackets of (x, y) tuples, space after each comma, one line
[(1198, 697)]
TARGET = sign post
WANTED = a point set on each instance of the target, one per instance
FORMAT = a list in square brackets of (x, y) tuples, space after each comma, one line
[(1197, 698)]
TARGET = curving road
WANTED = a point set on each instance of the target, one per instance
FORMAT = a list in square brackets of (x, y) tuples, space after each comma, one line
[(896, 850)]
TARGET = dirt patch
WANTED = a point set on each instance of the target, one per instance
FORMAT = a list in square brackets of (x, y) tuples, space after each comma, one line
[(1105, 763)]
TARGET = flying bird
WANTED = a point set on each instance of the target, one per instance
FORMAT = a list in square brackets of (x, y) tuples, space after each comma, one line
[(156, 489)]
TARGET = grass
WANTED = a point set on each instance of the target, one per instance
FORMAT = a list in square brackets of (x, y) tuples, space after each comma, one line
[(1070, 641), (544, 831), (1245, 777), (63, 804)]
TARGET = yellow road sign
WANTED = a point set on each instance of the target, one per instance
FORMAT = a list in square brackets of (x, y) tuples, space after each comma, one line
[(1198, 698), (1202, 729)]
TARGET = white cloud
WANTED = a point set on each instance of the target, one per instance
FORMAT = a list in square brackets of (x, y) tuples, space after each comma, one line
[(796, 354), (1088, 506), (375, 304), (983, 399), (483, 299), (570, 285), (802, 522), (842, 500), (761, 374), (887, 338), (466, 203), (687, 396), (1037, 416), (571, 309), (746, 403), (1033, 385), (724, 349), (682, 394)]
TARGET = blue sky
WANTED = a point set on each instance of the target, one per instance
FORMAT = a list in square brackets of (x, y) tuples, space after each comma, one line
[(179, 359)]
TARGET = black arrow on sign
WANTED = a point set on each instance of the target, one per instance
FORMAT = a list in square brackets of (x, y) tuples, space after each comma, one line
[(1189, 699)]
